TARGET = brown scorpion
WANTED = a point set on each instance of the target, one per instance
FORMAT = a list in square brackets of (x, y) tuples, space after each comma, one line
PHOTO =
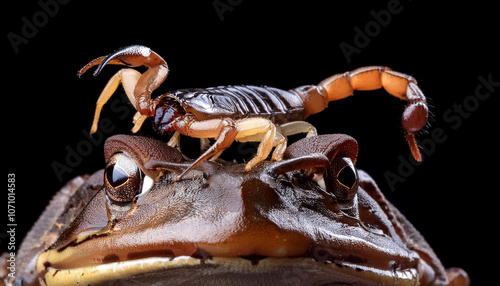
[(245, 113)]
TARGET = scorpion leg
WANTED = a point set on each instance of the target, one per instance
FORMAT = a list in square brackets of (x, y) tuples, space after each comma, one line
[(227, 130), (296, 127), (128, 78), (375, 77), (279, 143), (263, 130), (224, 130), (174, 140), (280, 139)]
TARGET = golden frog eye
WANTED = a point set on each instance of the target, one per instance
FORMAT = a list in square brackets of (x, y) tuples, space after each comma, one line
[(348, 175), (341, 179), (123, 179)]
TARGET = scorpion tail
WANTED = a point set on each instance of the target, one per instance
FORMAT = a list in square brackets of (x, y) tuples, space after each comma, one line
[(397, 84)]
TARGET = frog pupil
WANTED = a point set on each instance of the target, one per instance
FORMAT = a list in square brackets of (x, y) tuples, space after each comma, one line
[(116, 176), (347, 177)]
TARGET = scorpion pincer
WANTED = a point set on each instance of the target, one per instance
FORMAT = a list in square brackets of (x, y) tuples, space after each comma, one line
[(246, 113)]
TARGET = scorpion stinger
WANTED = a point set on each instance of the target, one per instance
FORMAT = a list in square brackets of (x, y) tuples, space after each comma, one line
[(403, 86), (137, 86)]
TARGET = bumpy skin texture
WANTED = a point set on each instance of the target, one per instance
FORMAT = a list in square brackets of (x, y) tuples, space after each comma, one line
[(223, 225), (64, 207)]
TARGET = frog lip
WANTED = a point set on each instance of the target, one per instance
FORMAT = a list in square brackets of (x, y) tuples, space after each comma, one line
[(187, 270)]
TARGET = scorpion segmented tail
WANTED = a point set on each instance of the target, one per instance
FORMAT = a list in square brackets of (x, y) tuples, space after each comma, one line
[(403, 86)]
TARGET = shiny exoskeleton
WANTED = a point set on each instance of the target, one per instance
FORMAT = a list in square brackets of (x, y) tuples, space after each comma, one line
[(246, 113), (236, 102)]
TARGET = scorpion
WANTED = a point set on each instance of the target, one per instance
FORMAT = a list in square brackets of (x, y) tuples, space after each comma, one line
[(245, 113)]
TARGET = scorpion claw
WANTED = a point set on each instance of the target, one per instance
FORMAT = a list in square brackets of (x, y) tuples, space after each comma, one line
[(89, 65), (138, 87), (131, 56)]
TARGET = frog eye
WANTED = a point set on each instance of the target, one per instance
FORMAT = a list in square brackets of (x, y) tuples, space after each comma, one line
[(124, 179), (341, 179)]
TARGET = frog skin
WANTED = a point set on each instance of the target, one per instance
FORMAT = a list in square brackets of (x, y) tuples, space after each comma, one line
[(310, 219)]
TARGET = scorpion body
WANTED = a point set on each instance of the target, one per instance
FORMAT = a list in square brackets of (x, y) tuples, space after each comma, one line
[(246, 113), (240, 102)]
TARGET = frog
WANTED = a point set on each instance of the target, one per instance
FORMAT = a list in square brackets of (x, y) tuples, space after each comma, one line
[(312, 218)]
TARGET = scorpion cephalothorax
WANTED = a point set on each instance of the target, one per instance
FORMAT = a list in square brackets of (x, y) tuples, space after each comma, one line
[(246, 113)]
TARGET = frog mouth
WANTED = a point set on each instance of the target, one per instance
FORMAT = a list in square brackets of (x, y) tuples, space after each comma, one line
[(187, 270)]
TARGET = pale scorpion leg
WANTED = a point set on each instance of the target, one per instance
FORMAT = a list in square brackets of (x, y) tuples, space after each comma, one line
[(174, 140), (264, 131), (224, 130), (138, 120), (296, 127), (138, 87), (282, 132), (204, 145), (128, 78)]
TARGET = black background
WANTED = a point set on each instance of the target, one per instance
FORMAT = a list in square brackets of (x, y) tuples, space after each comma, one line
[(450, 197)]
